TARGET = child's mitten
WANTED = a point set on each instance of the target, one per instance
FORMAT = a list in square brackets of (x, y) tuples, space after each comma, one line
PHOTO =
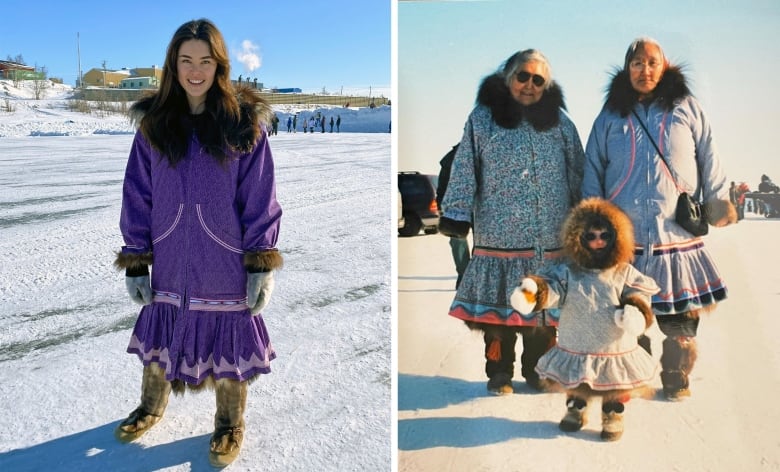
[(630, 319), (523, 298)]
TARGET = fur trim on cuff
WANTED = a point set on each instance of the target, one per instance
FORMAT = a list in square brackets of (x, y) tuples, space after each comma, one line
[(720, 213), (126, 260), (542, 292), (643, 307), (263, 261)]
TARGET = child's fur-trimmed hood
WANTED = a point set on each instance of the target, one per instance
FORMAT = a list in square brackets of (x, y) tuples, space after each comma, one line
[(598, 213)]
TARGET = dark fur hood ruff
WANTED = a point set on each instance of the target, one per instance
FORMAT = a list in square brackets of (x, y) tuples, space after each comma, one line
[(255, 112), (508, 113), (621, 96)]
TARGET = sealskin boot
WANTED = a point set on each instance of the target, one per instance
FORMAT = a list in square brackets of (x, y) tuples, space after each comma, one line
[(576, 415), (677, 361), (500, 360), (612, 421), (155, 391), (228, 422)]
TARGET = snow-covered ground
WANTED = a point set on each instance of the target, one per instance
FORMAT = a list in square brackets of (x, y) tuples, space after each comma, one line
[(65, 320), (447, 421)]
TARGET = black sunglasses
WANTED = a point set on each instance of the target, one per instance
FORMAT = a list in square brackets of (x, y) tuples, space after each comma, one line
[(604, 236), (523, 77)]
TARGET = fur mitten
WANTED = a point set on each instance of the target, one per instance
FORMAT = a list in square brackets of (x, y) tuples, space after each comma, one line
[(523, 298), (259, 286), (454, 228), (140, 289), (720, 213), (530, 296), (630, 319)]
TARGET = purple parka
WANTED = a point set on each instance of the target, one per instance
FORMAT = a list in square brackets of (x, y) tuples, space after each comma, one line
[(198, 219)]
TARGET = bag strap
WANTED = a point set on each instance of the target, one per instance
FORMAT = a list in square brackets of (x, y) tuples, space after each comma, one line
[(666, 163)]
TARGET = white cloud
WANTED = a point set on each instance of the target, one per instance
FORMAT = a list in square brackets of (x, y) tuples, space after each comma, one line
[(249, 56)]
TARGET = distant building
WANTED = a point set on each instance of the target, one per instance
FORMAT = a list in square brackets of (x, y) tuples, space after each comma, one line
[(15, 70), (287, 90), (98, 77), (136, 83)]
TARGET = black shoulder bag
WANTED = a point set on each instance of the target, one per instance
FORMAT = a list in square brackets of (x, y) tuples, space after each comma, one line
[(689, 212)]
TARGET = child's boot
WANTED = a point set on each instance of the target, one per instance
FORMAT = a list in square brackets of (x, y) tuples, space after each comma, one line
[(154, 398), (228, 422), (576, 415), (612, 420)]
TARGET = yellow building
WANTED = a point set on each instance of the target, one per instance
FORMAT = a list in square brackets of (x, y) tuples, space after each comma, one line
[(97, 77)]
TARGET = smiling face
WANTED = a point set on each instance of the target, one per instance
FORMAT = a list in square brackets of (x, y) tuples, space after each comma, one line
[(646, 68), (527, 93), (195, 68)]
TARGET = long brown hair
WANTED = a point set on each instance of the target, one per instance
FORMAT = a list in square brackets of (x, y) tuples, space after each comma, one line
[(164, 120)]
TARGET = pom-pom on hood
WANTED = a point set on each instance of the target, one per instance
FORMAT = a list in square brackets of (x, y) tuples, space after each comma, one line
[(598, 213)]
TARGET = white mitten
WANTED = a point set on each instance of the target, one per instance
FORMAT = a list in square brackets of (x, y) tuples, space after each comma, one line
[(630, 319), (523, 298), (259, 286), (140, 289)]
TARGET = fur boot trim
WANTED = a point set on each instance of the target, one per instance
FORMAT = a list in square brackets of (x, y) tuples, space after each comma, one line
[(612, 421), (126, 260), (576, 415), (263, 261), (720, 213), (509, 113)]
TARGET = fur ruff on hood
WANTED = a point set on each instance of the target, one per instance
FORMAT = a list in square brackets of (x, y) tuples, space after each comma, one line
[(254, 112), (621, 96), (596, 212), (508, 113)]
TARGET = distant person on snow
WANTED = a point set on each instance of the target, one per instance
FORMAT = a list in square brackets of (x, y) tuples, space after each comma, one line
[(605, 305), (338, 123), (199, 206)]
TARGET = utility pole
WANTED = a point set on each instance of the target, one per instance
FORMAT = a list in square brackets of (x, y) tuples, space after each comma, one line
[(78, 53)]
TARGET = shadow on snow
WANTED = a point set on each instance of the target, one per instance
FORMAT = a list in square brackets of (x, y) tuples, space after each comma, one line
[(97, 450)]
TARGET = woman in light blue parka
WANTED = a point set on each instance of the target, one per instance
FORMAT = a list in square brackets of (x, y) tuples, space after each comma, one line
[(624, 166)]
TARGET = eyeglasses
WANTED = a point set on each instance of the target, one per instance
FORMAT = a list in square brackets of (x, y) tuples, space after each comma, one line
[(605, 236), (523, 77)]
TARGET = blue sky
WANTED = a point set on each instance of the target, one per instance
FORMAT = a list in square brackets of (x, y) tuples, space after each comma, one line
[(445, 49), (307, 44)]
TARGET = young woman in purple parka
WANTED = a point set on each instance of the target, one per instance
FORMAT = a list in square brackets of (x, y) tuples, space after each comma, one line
[(199, 206)]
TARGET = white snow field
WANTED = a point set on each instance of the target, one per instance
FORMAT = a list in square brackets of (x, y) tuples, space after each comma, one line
[(65, 319), (447, 421)]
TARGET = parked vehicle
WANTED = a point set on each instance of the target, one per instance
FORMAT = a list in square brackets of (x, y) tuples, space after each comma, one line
[(419, 207)]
